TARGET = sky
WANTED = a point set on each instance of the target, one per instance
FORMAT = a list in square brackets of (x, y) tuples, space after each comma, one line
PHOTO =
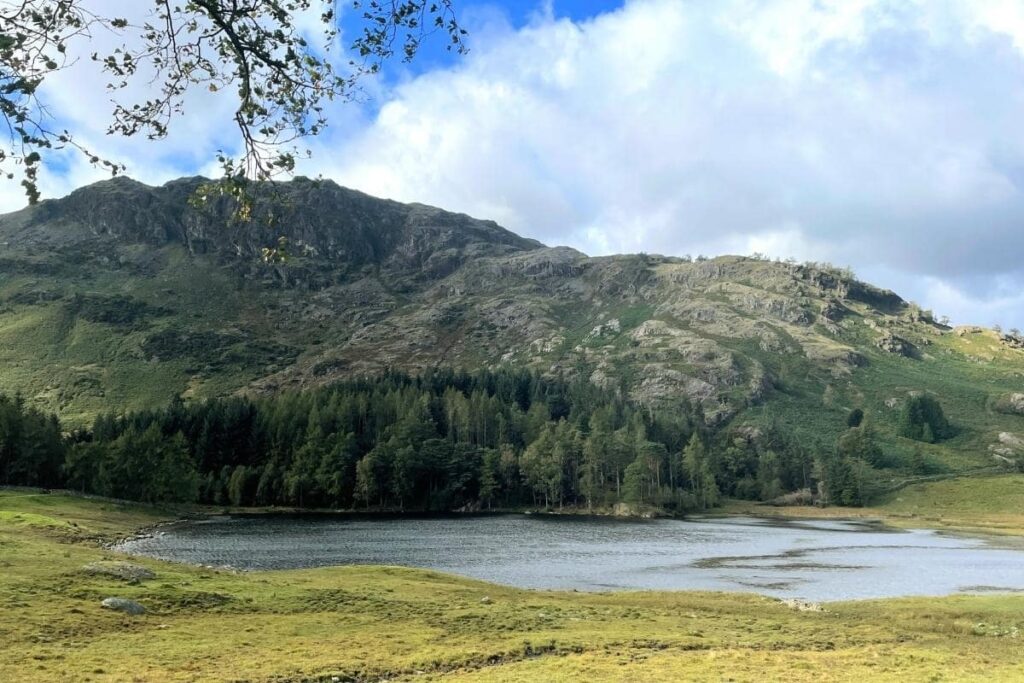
[(884, 136)]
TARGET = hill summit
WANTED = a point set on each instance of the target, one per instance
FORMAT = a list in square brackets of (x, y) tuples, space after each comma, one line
[(122, 295)]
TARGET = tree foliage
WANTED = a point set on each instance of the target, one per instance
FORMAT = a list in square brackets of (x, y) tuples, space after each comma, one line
[(443, 440), (281, 77), (923, 419)]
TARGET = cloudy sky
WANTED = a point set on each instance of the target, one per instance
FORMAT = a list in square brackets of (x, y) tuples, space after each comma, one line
[(887, 136)]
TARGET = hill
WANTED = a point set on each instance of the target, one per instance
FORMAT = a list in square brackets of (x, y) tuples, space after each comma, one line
[(123, 295)]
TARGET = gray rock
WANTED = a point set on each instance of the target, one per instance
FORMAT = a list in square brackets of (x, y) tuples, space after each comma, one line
[(1014, 441), (890, 343), (124, 605), (126, 571)]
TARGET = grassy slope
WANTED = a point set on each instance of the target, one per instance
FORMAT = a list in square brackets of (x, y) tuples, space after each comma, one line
[(991, 504), (367, 623), (64, 363), (965, 373)]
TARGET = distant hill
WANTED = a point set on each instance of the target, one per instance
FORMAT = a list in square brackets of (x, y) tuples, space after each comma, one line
[(122, 295)]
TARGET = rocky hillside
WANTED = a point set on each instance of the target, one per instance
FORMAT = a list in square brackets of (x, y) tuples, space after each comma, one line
[(122, 295)]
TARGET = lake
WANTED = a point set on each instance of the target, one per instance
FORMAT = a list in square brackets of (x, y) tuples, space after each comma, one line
[(819, 560)]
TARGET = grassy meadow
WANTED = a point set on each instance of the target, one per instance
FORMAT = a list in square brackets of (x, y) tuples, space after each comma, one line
[(396, 624), (989, 504)]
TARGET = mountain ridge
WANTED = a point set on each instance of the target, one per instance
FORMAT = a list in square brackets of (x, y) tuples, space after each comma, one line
[(122, 295)]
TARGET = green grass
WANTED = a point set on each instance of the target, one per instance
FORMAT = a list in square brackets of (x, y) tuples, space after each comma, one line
[(62, 361), (386, 623), (995, 502), (992, 504), (955, 369)]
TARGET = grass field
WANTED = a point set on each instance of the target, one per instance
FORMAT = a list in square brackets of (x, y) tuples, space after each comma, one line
[(989, 504), (385, 623)]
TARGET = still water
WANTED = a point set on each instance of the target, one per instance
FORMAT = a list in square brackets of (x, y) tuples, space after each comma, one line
[(813, 560)]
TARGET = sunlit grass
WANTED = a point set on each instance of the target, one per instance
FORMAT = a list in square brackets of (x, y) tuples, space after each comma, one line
[(380, 623)]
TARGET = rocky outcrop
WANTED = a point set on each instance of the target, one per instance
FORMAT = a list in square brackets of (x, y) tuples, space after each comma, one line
[(833, 311), (1008, 448), (319, 220), (890, 343), (1014, 341)]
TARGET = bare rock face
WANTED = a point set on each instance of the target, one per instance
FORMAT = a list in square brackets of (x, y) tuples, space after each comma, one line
[(322, 222)]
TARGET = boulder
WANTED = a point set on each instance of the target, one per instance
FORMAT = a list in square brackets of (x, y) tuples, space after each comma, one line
[(124, 605), (1014, 441)]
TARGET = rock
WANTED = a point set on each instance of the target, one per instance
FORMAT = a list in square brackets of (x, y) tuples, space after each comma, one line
[(1017, 403), (833, 310), (802, 605), (890, 343), (1014, 441), (1003, 456), (1014, 341), (124, 605), (610, 328), (126, 571)]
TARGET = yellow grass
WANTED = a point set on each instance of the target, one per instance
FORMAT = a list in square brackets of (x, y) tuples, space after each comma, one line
[(381, 623)]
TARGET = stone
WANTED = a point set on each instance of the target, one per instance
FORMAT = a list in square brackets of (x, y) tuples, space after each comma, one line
[(124, 605), (802, 605), (1014, 441)]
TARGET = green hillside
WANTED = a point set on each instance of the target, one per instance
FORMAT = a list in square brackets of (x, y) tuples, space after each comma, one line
[(122, 296)]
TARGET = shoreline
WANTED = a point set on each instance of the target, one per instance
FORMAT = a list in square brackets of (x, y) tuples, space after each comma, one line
[(1000, 528)]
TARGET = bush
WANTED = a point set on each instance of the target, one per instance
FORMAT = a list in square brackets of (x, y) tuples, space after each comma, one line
[(922, 419)]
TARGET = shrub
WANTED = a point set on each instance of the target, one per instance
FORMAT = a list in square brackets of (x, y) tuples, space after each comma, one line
[(922, 419)]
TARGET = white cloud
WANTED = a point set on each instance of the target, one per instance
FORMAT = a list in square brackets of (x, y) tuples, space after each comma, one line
[(880, 134), (884, 135)]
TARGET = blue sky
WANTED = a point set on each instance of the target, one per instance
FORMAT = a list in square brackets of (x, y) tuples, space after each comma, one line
[(880, 134), (474, 16)]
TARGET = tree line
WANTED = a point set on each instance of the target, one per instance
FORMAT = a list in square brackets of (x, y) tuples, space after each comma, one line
[(443, 440)]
